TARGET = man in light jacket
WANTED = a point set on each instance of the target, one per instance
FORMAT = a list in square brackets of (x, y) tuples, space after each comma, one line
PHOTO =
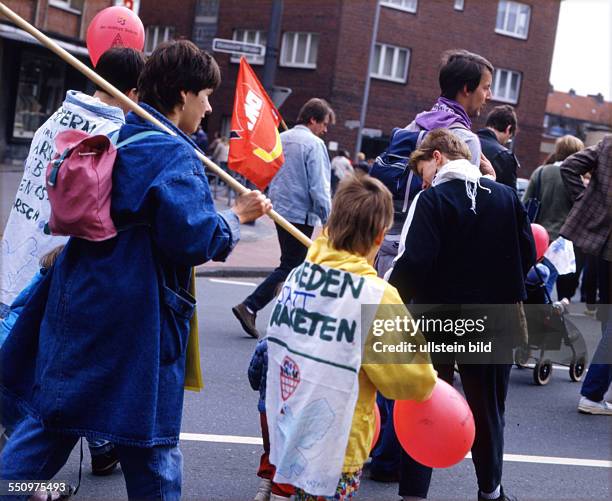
[(300, 192)]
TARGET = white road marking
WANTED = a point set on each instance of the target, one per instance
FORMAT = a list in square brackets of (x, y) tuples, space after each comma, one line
[(223, 439), (232, 282), (517, 458)]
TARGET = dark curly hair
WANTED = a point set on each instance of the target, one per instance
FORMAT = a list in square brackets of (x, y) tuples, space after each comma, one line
[(173, 67)]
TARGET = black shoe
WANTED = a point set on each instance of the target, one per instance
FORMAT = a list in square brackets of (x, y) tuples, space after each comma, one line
[(104, 464), (246, 319), (502, 497)]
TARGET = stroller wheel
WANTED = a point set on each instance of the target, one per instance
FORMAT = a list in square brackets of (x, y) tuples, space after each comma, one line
[(576, 369), (542, 372)]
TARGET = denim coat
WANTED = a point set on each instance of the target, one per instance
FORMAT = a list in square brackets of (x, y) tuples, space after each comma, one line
[(99, 351)]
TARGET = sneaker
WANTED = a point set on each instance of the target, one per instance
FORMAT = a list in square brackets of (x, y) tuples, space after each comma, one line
[(502, 497), (104, 464), (246, 319), (263, 491), (587, 406)]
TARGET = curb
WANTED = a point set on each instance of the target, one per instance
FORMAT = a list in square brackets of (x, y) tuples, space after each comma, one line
[(236, 271)]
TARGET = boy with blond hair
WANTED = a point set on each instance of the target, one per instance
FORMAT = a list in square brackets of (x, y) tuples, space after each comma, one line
[(321, 386)]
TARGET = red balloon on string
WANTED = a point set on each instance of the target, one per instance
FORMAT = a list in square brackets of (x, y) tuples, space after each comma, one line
[(114, 27), (542, 240), (376, 426), (438, 432)]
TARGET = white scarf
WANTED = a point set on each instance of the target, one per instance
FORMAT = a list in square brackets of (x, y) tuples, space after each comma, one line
[(461, 169)]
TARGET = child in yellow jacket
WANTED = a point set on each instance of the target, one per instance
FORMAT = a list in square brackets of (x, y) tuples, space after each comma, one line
[(326, 362)]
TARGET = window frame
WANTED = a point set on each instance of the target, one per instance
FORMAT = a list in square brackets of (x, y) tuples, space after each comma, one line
[(292, 64), (495, 85), (168, 34), (67, 6), (403, 8), (504, 31), (396, 50), (252, 60)]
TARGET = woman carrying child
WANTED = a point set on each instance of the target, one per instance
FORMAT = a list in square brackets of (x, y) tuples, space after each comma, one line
[(466, 245)]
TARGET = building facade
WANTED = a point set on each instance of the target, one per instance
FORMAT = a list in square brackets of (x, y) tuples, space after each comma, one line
[(325, 48), (34, 81), (587, 117)]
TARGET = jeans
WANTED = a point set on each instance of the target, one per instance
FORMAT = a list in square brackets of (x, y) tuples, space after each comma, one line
[(293, 253), (33, 453), (599, 375), (99, 447)]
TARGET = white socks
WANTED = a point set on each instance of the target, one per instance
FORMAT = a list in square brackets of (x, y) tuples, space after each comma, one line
[(491, 495)]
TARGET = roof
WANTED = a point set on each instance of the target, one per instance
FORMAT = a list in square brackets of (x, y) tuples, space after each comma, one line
[(583, 108)]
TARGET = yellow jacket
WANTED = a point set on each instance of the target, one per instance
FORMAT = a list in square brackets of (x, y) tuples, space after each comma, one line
[(396, 381)]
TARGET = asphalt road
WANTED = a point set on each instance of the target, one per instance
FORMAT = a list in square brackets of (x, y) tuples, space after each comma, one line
[(545, 434)]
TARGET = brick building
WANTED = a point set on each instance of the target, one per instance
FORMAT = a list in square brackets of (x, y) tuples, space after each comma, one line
[(325, 47), (586, 117), (33, 80)]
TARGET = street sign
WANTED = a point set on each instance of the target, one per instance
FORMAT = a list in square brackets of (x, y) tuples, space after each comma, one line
[(279, 95), (373, 133), (236, 47)]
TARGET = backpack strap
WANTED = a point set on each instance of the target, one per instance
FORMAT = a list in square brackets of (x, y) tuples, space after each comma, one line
[(136, 137)]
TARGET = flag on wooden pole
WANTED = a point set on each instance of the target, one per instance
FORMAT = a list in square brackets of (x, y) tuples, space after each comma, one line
[(255, 148)]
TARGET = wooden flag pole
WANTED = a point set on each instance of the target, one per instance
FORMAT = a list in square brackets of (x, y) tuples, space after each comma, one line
[(128, 103)]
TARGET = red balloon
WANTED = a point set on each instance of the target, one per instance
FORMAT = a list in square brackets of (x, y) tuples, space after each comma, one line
[(114, 26), (376, 426), (438, 432), (542, 240)]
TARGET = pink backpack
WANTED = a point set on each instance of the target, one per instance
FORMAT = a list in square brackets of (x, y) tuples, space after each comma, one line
[(79, 184)]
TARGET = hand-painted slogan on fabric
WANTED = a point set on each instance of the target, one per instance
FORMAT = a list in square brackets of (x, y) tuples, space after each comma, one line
[(314, 356), (23, 241), (294, 310)]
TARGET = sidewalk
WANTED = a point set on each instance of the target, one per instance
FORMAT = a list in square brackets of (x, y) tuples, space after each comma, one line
[(256, 255)]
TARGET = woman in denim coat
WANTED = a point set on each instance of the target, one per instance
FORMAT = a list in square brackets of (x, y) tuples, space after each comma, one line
[(99, 351)]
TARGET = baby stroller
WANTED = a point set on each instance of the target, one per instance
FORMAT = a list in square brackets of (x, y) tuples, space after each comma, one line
[(553, 337)]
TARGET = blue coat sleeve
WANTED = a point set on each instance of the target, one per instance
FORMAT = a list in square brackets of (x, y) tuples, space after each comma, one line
[(186, 225)]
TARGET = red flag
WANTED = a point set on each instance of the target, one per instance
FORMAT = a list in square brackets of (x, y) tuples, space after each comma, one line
[(255, 149)]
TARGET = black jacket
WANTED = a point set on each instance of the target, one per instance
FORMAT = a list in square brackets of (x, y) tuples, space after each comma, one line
[(456, 256), (504, 161)]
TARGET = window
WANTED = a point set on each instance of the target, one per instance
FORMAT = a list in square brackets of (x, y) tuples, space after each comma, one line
[(513, 19), (156, 35), (40, 91), (250, 36), (207, 8), (407, 5), (390, 63), (299, 50), (506, 86), (459, 4), (75, 6)]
